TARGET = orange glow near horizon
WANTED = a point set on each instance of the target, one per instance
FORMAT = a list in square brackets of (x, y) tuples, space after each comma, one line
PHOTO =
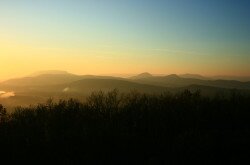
[(19, 60), (120, 38)]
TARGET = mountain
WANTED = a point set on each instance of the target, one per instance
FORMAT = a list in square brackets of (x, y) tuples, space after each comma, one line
[(47, 80), (237, 78), (57, 82), (33, 90), (41, 80), (89, 85), (177, 81), (166, 81), (211, 91), (194, 76), (36, 89), (142, 75)]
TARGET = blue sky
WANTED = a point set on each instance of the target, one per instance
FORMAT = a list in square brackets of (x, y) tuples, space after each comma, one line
[(184, 35)]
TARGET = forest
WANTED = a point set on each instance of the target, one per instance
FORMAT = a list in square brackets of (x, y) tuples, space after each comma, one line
[(129, 128)]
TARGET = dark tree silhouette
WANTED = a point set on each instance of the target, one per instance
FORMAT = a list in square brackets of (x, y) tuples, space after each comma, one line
[(133, 128)]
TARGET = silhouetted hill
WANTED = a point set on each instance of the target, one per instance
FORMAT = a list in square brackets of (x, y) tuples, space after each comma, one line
[(176, 81), (237, 78), (42, 80), (51, 84), (89, 85), (32, 90), (172, 80), (48, 80), (194, 76), (29, 90), (211, 91), (142, 75)]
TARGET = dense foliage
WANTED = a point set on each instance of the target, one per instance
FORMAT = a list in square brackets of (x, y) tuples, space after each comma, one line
[(129, 128)]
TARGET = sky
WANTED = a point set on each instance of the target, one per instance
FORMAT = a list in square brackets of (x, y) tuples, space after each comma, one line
[(208, 37)]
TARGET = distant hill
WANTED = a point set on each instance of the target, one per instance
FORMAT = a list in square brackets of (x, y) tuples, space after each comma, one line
[(177, 81), (166, 81), (194, 76), (213, 91), (35, 89), (48, 80), (89, 85), (142, 75), (54, 81), (42, 80), (237, 78)]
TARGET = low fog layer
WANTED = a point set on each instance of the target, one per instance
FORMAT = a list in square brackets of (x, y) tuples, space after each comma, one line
[(5, 95)]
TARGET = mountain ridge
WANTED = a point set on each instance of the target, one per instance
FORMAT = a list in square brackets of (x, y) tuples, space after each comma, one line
[(39, 88)]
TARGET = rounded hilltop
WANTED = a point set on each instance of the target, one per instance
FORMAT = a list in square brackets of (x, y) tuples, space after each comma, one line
[(142, 75)]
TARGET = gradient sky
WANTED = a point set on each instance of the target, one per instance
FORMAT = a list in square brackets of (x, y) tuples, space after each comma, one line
[(209, 37)]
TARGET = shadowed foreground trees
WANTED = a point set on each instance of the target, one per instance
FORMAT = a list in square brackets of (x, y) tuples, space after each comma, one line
[(129, 128)]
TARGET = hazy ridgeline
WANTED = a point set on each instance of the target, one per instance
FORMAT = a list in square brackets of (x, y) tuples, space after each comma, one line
[(39, 87), (132, 128)]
